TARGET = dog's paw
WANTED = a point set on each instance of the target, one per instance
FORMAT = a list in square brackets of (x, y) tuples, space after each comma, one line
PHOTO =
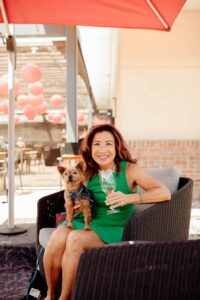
[(69, 226), (87, 228)]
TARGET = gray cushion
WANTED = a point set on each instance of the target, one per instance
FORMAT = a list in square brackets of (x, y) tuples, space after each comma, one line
[(168, 176), (44, 236)]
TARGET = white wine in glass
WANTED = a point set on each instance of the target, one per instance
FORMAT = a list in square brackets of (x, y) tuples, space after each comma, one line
[(108, 186)]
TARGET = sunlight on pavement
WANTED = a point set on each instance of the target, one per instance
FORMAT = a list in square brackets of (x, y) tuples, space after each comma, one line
[(25, 205)]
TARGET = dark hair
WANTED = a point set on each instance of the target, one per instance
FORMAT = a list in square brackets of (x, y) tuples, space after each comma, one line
[(122, 153)]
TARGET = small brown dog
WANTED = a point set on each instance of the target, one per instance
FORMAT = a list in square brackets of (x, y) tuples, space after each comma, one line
[(77, 197)]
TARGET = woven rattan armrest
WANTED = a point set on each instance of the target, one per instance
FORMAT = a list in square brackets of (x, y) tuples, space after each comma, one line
[(167, 220)]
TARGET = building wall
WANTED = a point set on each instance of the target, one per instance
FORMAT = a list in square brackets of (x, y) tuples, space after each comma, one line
[(181, 154), (158, 88), (158, 95)]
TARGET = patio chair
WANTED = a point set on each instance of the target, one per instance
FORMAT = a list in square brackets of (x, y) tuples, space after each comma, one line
[(51, 155), (71, 148), (3, 171), (18, 166), (33, 157), (3, 174)]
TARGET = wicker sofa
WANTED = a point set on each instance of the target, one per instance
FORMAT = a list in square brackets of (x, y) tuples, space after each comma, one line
[(165, 221), (153, 222), (142, 271)]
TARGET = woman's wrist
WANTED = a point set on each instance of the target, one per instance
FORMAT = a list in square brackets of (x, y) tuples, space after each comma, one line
[(137, 198), (141, 197)]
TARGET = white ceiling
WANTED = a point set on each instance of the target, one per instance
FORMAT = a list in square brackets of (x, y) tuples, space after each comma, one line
[(96, 48)]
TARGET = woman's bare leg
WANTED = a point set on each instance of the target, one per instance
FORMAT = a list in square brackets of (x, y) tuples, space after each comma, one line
[(77, 242), (53, 258)]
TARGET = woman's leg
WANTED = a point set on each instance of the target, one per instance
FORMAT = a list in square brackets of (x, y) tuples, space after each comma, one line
[(77, 242), (53, 258)]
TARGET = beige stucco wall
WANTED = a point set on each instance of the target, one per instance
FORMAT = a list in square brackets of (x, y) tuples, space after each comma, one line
[(158, 94)]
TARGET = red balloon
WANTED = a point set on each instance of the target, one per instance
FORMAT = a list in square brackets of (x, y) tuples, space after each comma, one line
[(4, 107), (35, 88), (17, 121), (80, 118), (57, 118), (4, 85), (64, 114), (42, 108), (29, 112), (49, 117), (1, 105), (36, 100), (56, 100), (30, 73), (22, 100)]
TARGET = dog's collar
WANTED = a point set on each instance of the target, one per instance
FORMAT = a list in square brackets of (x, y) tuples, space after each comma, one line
[(75, 194)]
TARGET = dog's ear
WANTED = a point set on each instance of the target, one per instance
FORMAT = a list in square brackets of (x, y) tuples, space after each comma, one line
[(81, 166), (61, 169)]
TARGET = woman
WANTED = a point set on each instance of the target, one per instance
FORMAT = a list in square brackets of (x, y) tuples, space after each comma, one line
[(102, 149)]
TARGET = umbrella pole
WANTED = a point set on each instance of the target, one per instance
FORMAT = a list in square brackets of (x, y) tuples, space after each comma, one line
[(11, 229), (11, 139), (72, 128)]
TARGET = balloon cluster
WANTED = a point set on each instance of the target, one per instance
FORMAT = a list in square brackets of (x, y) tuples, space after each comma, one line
[(33, 102), (55, 117)]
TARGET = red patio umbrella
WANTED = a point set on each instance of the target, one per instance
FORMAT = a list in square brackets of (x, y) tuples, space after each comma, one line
[(143, 14)]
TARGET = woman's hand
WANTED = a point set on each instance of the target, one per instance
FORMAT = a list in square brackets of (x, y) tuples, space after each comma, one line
[(117, 199)]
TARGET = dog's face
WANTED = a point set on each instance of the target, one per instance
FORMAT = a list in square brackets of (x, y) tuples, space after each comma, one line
[(72, 177)]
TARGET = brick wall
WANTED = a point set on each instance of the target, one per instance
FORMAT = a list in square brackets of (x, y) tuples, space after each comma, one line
[(181, 154)]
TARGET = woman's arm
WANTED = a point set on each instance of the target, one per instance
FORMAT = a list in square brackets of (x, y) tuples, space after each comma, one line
[(154, 190)]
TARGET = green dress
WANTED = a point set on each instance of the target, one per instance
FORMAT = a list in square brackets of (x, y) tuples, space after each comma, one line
[(109, 227)]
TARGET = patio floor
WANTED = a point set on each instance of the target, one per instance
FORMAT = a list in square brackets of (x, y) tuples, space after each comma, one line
[(41, 182)]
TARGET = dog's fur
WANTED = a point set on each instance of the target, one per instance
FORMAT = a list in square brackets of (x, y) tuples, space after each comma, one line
[(77, 197)]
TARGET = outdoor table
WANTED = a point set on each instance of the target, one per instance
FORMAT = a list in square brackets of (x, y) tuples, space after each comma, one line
[(70, 158)]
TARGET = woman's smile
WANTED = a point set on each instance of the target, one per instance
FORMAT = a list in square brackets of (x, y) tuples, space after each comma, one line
[(103, 157)]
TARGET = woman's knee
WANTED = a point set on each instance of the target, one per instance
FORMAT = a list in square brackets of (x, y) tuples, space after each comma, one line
[(75, 241), (58, 238)]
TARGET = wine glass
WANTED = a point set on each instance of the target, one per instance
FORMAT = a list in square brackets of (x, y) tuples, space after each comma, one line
[(108, 185)]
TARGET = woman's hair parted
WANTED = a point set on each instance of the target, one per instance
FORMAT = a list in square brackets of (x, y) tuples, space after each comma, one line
[(122, 153)]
